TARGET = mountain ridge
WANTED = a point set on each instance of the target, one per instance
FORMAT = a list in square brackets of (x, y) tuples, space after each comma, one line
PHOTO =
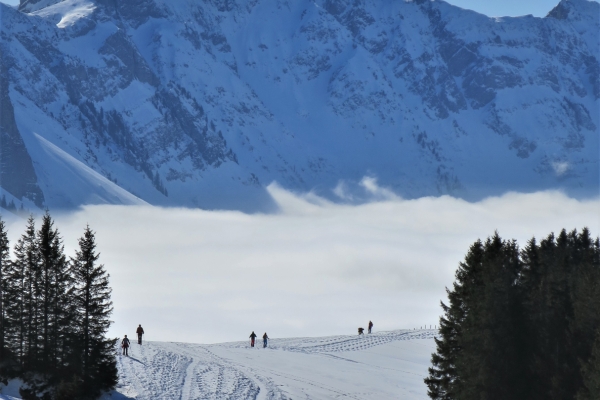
[(203, 105)]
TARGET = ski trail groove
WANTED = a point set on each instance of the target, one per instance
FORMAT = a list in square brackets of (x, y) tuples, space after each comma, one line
[(210, 377), (233, 371)]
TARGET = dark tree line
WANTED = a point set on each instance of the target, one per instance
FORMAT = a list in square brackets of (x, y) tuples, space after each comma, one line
[(54, 315), (522, 324)]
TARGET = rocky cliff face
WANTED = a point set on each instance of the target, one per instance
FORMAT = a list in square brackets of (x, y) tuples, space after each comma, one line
[(205, 103)]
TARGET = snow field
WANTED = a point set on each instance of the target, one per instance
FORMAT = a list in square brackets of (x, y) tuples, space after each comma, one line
[(383, 365)]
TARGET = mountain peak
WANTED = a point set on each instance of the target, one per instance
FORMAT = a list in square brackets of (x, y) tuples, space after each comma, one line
[(575, 9)]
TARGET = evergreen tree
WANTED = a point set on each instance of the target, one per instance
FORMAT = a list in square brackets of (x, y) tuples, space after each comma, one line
[(23, 313), (93, 308), (562, 283), (591, 374), (13, 283), (54, 316), (521, 324), (55, 297), (489, 364), (4, 270), (483, 319), (443, 381)]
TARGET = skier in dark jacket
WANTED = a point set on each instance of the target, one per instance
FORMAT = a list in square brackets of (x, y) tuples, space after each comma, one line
[(370, 326), (125, 345), (265, 338), (360, 331), (140, 332), (252, 337)]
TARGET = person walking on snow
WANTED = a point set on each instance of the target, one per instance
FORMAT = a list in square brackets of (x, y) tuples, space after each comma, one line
[(140, 332), (125, 345), (265, 338), (370, 326), (252, 337)]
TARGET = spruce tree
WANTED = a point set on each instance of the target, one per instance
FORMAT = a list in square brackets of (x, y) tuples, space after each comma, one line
[(93, 308), (443, 381), (55, 299), (13, 282), (522, 324), (488, 364), (23, 313), (590, 390), (54, 316), (585, 296), (5, 264), (478, 352), (562, 284)]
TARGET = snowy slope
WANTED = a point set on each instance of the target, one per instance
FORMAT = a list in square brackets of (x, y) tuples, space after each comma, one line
[(205, 103), (383, 365)]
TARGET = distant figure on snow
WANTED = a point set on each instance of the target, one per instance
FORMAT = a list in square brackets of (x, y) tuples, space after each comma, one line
[(360, 331), (125, 345), (140, 332), (265, 338), (252, 337), (370, 326)]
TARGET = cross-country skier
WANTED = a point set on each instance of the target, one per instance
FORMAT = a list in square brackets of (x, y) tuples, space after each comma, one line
[(140, 332), (265, 338), (252, 337), (125, 345), (370, 326)]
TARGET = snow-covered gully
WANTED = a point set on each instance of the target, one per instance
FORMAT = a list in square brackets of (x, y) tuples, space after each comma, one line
[(384, 365)]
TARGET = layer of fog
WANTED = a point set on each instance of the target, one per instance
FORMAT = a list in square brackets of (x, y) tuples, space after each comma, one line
[(315, 268)]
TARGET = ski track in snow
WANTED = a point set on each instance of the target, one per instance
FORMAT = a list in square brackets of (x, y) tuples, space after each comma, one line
[(349, 367)]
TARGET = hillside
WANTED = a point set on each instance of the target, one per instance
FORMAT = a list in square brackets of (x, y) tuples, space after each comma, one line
[(203, 104), (385, 365), (382, 365)]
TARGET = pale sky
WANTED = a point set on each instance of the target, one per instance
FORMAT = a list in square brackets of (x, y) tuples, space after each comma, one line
[(495, 8)]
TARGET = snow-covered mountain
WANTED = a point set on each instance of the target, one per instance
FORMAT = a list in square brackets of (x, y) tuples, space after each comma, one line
[(204, 103)]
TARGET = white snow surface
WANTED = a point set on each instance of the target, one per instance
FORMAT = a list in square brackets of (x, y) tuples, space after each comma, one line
[(382, 365), (10, 392), (204, 104), (69, 12)]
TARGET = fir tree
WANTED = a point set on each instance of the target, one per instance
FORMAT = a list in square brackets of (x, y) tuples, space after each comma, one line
[(562, 284), (13, 283), (443, 381), (23, 312), (54, 316), (490, 364), (522, 324), (4, 270), (55, 298), (478, 354), (93, 308), (590, 389)]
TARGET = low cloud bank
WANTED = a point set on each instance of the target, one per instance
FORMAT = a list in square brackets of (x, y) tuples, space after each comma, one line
[(315, 268)]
